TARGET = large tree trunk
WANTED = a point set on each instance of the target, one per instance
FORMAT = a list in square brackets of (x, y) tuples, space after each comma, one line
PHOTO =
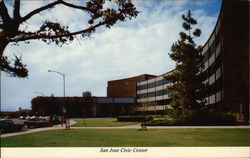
[(3, 45)]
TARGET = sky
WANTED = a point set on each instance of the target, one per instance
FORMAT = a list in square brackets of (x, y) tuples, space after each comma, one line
[(127, 49)]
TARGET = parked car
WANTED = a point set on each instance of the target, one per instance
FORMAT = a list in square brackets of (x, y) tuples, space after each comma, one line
[(7, 125), (22, 117), (36, 122)]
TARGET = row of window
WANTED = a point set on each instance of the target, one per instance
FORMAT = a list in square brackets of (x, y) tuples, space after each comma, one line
[(153, 84), (163, 102), (214, 98), (211, 89), (211, 69), (212, 73), (212, 48), (153, 94), (213, 58)]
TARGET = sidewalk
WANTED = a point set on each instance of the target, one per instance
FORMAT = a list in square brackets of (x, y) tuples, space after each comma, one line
[(26, 131), (137, 126)]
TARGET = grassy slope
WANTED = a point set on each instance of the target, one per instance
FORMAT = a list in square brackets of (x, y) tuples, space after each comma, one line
[(130, 137), (106, 122)]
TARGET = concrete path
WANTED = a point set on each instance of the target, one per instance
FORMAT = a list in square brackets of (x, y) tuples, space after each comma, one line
[(26, 130), (137, 126)]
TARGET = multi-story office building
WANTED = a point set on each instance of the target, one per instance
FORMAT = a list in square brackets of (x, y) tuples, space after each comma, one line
[(225, 61), (125, 87), (154, 90), (226, 71)]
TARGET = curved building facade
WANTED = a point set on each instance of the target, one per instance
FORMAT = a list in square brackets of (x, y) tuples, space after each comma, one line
[(225, 61), (225, 74)]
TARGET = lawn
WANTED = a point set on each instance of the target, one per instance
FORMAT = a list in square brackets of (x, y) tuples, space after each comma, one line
[(130, 137), (105, 122)]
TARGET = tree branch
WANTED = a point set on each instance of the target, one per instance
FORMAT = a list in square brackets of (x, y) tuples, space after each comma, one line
[(17, 10), (43, 36), (4, 12), (51, 5), (76, 6), (38, 10)]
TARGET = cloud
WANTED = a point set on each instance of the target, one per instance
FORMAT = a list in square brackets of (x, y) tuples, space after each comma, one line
[(128, 49)]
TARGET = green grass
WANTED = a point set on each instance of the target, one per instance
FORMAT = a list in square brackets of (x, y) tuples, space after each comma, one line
[(105, 122), (130, 137)]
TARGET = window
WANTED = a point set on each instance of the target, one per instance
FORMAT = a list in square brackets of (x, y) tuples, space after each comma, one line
[(218, 96), (212, 59), (159, 83), (218, 73), (141, 96), (218, 50), (212, 99), (152, 94), (211, 79), (159, 93), (212, 47), (151, 85), (141, 87)]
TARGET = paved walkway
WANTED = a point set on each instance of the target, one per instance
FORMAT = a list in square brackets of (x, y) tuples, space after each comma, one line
[(26, 130), (161, 127), (137, 126)]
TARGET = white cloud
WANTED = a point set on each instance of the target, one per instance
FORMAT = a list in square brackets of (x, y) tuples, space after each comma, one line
[(127, 49)]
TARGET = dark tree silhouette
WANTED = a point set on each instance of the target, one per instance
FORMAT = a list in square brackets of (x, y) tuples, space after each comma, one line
[(53, 32), (187, 56), (88, 104), (46, 105)]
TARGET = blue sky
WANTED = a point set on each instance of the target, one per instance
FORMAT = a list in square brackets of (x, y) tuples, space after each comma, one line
[(128, 49)]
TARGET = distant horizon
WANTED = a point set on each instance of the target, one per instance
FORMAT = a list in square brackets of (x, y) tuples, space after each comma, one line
[(12, 110)]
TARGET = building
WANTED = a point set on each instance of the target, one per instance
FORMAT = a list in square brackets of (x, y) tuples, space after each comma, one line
[(226, 66), (225, 74), (83, 106), (125, 87), (154, 90)]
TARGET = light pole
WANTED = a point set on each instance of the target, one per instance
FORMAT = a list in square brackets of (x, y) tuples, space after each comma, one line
[(67, 126)]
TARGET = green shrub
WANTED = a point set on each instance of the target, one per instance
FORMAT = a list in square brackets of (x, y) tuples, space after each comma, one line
[(204, 117), (156, 116), (134, 118), (201, 117), (160, 123)]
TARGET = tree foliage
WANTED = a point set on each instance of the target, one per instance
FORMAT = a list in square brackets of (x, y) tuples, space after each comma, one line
[(54, 32), (46, 105), (89, 104), (88, 100), (187, 55)]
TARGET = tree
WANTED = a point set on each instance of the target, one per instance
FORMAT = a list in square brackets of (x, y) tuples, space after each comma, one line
[(145, 109), (187, 55), (46, 105), (87, 104), (53, 32)]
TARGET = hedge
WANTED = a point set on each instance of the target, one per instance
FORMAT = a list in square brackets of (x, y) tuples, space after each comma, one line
[(198, 118), (134, 118)]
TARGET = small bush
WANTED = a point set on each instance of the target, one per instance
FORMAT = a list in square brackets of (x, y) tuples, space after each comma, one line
[(198, 118), (160, 123), (209, 118), (134, 118)]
